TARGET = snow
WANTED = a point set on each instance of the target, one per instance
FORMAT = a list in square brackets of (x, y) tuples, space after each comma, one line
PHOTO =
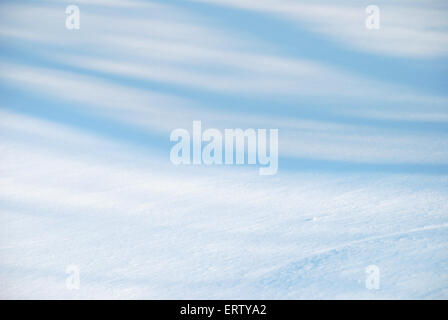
[(138, 227)]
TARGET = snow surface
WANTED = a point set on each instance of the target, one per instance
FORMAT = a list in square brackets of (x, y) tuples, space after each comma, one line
[(139, 229), (85, 175)]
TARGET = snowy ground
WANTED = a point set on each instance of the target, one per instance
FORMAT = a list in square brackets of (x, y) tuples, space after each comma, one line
[(139, 229), (86, 179)]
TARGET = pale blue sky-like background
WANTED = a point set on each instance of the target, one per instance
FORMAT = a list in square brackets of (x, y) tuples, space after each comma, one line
[(86, 179)]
